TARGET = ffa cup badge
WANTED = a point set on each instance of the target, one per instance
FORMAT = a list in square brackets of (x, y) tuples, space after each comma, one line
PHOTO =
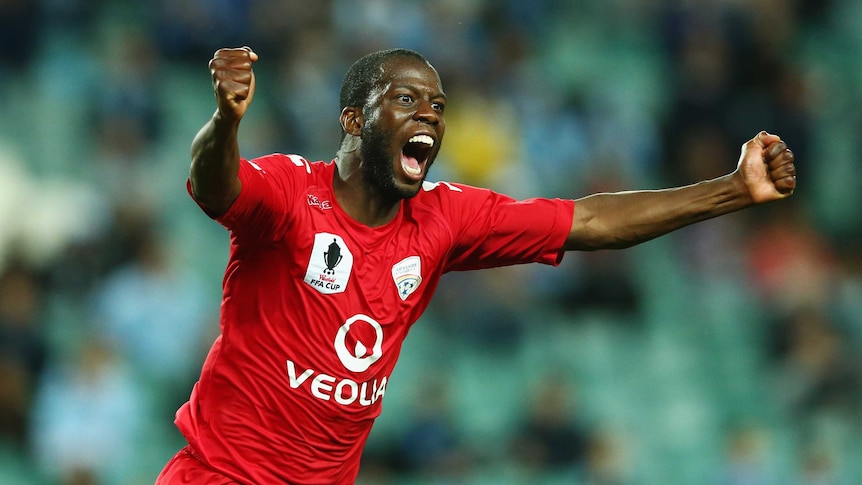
[(330, 265)]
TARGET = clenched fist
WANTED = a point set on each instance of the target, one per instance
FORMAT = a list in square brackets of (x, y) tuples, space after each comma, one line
[(233, 81), (767, 168)]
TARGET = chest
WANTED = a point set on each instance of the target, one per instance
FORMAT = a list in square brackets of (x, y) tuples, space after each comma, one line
[(389, 272)]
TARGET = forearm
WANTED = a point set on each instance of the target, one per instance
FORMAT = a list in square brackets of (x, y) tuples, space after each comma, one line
[(624, 219), (215, 164)]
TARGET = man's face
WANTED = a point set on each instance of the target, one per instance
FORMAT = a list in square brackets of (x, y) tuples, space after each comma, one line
[(403, 127)]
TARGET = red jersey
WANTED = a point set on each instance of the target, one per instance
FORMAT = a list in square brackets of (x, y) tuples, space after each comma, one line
[(316, 306)]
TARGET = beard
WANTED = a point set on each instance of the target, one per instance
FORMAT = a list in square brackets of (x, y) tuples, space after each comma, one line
[(379, 172)]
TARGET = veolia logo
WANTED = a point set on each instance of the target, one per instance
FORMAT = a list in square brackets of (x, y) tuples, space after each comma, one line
[(359, 359)]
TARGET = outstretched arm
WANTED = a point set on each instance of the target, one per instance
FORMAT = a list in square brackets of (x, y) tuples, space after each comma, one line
[(618, 220), (215, 149)]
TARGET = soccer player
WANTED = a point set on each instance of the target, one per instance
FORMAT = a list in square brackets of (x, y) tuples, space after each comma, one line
[(331, 263)]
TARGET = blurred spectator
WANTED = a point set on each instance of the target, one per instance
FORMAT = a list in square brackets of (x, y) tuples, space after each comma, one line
[(429, 445), (152, 314), (816, 375), (492, 318), (305, 67), (76, 17), (111, 243), (702, 44), (39, 217), (607, 461), (819, 467), (19, 26), (847, 288), (125, 107), (190, 30), (128, 96), (552, 436), (747, 458), (22, 349), (791, 262), (478, 151), (272, 21), (601, 281), (91, 417)]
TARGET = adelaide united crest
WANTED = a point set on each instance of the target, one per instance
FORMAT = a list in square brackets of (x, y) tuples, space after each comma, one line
[(407, 274)]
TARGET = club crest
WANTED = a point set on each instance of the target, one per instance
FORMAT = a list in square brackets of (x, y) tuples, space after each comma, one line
[(407, 275)]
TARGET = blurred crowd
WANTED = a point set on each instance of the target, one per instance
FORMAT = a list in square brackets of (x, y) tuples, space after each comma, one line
[(726, 353)]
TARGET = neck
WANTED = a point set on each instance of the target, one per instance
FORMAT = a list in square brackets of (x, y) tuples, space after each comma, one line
[(361, 202)]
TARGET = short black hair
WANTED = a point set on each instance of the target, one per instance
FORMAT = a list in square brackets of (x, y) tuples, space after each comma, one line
[(364, 74)]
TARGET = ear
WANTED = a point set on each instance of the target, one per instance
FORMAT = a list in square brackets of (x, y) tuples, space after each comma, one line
[(352, 120)]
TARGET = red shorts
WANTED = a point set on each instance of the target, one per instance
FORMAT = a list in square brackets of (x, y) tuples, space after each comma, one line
[(186, 469)]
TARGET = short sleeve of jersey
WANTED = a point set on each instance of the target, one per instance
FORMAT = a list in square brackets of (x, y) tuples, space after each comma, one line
[(269, 189), (491, 229)]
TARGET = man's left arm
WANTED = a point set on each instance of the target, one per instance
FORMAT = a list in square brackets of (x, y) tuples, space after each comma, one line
[(765, 173)]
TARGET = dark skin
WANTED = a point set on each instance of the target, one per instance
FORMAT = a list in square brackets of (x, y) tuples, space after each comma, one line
[(410, 101)]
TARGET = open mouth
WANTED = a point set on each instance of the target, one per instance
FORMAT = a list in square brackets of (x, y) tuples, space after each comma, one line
[(415, 153)]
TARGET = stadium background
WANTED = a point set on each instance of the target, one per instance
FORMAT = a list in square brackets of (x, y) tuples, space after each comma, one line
[(726, 353)]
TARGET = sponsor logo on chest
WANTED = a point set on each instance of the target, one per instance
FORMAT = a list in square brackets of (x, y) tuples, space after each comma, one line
[(356, 357)]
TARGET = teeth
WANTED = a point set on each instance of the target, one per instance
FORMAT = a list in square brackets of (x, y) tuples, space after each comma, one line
[(411, 170), (424, 139)]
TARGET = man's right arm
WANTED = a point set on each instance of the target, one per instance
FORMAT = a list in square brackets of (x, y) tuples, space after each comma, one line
[(215, 149)]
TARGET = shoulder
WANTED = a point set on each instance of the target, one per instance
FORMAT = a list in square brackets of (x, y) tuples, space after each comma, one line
[(282, 165), (282, 162), (449, 191), (448, 201), (453, 195)]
